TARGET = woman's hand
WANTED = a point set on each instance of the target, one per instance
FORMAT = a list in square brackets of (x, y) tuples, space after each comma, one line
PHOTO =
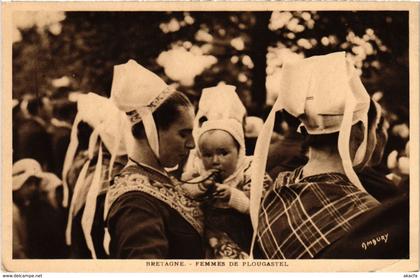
[(222, 192)]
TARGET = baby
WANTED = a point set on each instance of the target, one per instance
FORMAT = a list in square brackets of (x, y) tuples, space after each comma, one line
[(221, 153)]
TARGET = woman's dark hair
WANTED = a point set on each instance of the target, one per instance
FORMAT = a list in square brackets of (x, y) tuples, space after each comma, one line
[(292, 122), (372, 114), (34, 105), (165, 115), (84, 130), (17, 198), (329, 142), (321, 141), (65, 110)]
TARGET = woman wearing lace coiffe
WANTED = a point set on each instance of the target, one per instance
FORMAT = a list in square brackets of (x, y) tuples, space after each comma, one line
[(88, 172), (30, 183), (147, 216), (221, 148), (309, 208)]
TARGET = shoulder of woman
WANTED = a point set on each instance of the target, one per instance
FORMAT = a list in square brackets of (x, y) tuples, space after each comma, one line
[(136, 200), (133, 213), (125, 182), (128, 180)]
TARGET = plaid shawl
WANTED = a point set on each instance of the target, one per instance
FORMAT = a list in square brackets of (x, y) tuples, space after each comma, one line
[(300, 218)]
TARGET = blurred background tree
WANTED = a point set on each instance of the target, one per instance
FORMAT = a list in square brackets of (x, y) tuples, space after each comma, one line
[(199, 49), (377, 42), (58, 55), (194, 50)]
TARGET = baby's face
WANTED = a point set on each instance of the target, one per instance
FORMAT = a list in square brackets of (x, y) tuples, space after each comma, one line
[(219, 151)]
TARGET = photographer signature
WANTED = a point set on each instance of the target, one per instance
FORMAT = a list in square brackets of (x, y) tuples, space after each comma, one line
[(376, 240)]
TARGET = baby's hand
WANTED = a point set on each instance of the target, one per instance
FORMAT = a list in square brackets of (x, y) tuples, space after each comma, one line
[(222, 192)]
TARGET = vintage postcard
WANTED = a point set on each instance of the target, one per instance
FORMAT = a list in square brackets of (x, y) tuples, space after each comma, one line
[(210, 137)]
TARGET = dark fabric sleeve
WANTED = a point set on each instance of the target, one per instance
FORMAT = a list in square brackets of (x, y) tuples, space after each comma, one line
[(137, 229), (377, 185), (382, 233)]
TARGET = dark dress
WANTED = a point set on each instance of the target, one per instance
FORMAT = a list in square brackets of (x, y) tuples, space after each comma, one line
[(79, 248), (378, 185), (46, 226), (60, 139), (382, 233), (33, 141), (150, 218)]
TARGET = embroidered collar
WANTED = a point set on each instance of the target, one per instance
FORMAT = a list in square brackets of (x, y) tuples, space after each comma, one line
[(148, 180)]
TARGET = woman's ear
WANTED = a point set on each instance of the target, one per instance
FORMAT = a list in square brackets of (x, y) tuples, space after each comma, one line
[(356, 139), (138, 132), (371, 145), (357, 133), (381, 140)]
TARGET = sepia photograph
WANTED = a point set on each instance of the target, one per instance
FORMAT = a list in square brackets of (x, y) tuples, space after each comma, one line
[(210, 137)]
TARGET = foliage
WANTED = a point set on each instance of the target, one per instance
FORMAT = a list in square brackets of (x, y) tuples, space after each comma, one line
[(239, 48)]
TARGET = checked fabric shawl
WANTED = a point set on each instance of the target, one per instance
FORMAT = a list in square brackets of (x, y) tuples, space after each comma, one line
[(299, 218)]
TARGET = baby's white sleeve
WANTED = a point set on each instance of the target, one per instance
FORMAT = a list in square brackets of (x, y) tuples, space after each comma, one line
[(238, 200)]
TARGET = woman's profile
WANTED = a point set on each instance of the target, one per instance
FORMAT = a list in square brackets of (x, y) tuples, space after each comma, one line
[(147, 216)]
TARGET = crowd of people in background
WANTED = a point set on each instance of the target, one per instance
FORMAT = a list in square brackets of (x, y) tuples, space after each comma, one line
[(145, 174), (41, 134)]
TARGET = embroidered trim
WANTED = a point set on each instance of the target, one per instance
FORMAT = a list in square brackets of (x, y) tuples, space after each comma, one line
[(169, 194), (160, 98), (134, 116)]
